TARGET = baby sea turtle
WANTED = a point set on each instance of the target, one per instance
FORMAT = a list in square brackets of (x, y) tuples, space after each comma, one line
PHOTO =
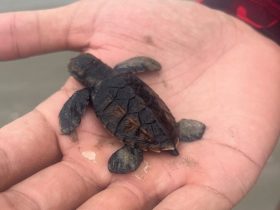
[(127, 107)]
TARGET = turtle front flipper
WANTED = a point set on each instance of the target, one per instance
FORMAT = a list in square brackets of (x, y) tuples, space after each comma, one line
[(72, 111), (137, 65), (125, 160), (190, 130)]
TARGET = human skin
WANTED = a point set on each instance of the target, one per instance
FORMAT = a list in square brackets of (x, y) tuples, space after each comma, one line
[(215, 69)]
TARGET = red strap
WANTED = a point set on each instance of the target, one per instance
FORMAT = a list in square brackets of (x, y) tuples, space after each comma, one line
[(258, 13), (263, 15)]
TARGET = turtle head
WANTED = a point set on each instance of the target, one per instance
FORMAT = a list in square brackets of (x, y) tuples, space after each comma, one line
[(88, 70)]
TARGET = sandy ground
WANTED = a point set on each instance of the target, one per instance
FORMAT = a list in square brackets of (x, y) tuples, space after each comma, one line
[(25, 83)]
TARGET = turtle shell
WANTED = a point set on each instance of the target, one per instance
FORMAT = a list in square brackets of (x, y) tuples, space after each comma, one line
[(134, 113)]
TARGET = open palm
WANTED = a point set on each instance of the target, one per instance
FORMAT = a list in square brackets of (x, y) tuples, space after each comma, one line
[(214, 69)]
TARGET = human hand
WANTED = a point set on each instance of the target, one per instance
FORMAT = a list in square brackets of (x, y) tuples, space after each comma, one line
[(215, 69)]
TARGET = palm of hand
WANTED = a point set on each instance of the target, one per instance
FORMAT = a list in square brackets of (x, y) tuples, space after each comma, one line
[(208, 74)]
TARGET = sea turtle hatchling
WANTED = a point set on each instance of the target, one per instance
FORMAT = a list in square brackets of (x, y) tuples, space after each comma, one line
[(127, 107)]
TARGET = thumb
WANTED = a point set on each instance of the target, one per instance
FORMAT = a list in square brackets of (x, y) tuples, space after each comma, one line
[(35, 32)]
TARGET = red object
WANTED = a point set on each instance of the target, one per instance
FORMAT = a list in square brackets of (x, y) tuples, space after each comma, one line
[(263, 15)]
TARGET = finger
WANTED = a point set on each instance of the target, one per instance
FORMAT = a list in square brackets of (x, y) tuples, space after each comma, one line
[(30, 143), (57, 187), (195, 197), (142, 189), (120, 196), (64, 185), (34, 32), (26, 146)]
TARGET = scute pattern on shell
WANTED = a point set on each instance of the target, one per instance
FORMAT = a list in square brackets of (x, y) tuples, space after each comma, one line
[(134, 113)]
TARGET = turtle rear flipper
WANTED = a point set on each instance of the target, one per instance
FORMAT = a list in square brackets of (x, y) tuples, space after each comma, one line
[(72, 111), (190, 130), (137, 65), (125, 160)]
